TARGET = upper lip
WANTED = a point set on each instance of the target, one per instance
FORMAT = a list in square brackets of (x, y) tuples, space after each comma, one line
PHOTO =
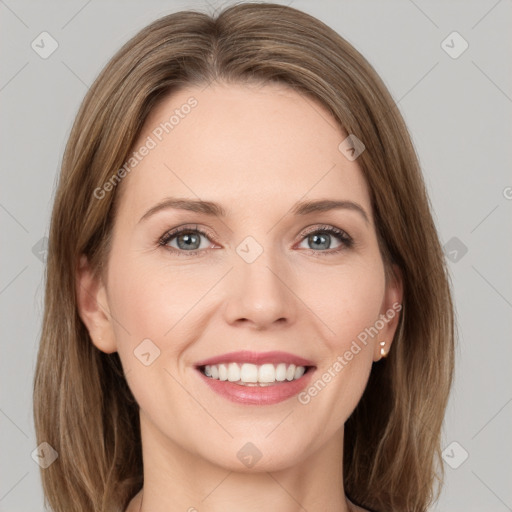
[(258, 358)]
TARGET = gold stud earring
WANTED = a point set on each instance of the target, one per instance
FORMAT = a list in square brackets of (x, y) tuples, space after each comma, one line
[(382, 351)]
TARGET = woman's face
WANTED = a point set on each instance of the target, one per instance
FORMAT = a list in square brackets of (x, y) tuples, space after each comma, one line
[(266, 275)]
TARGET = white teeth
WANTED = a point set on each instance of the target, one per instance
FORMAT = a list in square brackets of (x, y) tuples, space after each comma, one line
[(223, 372), (266, 373), (251, 374), (280, 372), (233, 372), (299, 372)]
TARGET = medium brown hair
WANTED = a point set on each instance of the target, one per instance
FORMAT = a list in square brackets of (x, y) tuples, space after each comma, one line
[(82, 404)]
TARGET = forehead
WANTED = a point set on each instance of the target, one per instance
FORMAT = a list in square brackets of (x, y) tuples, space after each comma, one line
[(258, 145)]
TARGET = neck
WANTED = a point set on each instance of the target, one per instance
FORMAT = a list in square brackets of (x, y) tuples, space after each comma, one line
[(177, 479)]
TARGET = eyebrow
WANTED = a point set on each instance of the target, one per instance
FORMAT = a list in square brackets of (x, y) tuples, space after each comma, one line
[(215, 209)]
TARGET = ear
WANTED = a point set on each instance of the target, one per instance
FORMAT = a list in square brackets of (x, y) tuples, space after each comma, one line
[(93, 307), (389, 314)]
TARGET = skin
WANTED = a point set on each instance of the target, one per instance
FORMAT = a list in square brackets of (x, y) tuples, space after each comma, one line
[(267, 147)]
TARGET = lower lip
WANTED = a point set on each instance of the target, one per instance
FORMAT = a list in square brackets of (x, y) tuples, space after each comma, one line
[(258, 395)]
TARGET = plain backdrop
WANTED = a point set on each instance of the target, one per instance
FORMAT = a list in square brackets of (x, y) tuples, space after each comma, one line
[(457, 102)]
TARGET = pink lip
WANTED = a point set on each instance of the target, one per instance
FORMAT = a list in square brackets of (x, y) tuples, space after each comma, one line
[(255, 395), (246, 356)]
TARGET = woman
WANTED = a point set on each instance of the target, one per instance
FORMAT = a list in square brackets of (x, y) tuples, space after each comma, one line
[(247, 305)]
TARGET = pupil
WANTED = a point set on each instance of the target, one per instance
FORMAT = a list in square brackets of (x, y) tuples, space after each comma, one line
[(188, 241), (316, 238)]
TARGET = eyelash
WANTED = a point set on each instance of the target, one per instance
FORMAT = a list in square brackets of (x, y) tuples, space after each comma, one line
[(343, 237)]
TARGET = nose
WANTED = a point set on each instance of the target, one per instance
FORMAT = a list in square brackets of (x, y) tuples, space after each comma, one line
[(259, 295)]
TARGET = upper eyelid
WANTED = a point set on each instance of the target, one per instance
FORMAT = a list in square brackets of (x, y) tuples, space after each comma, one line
[(196, 227), (171, 233), (324, 227)]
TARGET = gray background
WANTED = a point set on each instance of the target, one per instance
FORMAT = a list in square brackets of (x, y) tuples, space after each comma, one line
[(458, 112)]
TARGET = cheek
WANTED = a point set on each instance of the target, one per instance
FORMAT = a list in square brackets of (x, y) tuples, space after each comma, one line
[(349, 304), (155, 299), (348, 300), (153, 318)]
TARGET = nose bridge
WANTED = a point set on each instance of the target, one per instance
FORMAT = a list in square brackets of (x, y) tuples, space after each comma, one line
[(257, 290)]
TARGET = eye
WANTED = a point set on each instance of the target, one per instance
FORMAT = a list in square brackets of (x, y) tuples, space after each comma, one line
[(320, 237), (185, 240)]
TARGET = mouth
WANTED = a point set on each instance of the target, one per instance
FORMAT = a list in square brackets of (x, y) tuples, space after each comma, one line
[(251, 375), (250, 384)]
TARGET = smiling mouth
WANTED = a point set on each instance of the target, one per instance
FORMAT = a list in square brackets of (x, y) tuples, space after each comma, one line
[(251, 375)]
